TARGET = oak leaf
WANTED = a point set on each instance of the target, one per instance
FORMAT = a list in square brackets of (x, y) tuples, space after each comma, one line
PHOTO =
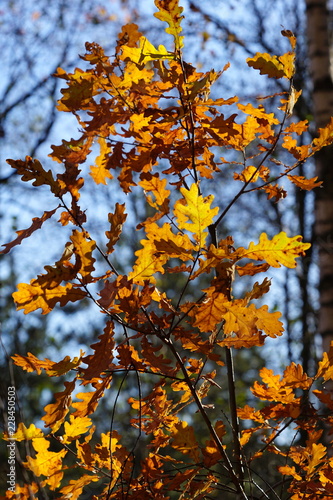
[(99, 172), (37, 223), (75, 428), (183, 440), (55, 413), (75, 486), (24, 433), (196, 209), (33, 296), (103, 355), (116, 220), (303, 183), (279, 250), (170, 12), (89, 400), (46, 463)]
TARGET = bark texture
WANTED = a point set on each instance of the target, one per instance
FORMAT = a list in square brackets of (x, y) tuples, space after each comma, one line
[(322, 88)]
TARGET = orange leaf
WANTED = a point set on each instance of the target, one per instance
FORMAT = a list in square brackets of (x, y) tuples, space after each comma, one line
[(116, 220), (32, 170), (101, 359), (55, 413), (184, 440), (37, 223), (33, 296), (30, 363), (304, 183), (75, 428), (47, 463), (89, 400), (75, 486), (83, 248), (294, 376), (100, 172), (153, 183), (287, 470)]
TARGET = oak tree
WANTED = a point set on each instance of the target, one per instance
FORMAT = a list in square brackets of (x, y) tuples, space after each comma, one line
[(160, 133)]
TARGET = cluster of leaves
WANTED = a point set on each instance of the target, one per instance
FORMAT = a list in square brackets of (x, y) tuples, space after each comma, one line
[(155, 123)]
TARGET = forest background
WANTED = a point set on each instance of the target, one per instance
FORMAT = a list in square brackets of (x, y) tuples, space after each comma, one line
[(37, 41)]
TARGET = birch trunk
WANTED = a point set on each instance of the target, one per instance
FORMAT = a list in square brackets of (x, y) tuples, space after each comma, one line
[(322, 88)]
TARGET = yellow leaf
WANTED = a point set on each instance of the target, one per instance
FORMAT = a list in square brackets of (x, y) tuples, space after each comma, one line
[(249, 174), (196, 209), (170, 12), (273, 66), (184, 440), (47, 463), (74, 489), (149, 261), (280, 250), (33, 296), (259, 112), (145, 52), (64, 366), (75, 428), (83, 249), (100, 172), (24, 433), (153, 183)]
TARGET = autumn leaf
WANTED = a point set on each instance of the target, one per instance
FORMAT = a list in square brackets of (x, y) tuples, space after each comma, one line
[(116, 220), (37, 223), (145, 52), (273, 66), (83, 249), (75, 428), (33, 170), (103, 355), (303, 183), (170, 12), (183, 439), (89, 400), (47, 463), (157, 186), (24, 433), (280, 250), (30, 363), (196, 209), (75, 486), (31, 297), (55, 413), (99, 172)]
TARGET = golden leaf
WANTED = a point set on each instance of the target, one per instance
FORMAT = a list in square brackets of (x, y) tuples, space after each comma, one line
[(196, 209), (33, 296), (280, 250)]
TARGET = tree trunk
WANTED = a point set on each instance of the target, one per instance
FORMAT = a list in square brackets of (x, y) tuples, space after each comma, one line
[(322, 88)]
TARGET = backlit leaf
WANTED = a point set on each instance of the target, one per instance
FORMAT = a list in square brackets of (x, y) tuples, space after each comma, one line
[(31, 297), (196, 209), (279, 250), (37, 223), (171, 12)]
